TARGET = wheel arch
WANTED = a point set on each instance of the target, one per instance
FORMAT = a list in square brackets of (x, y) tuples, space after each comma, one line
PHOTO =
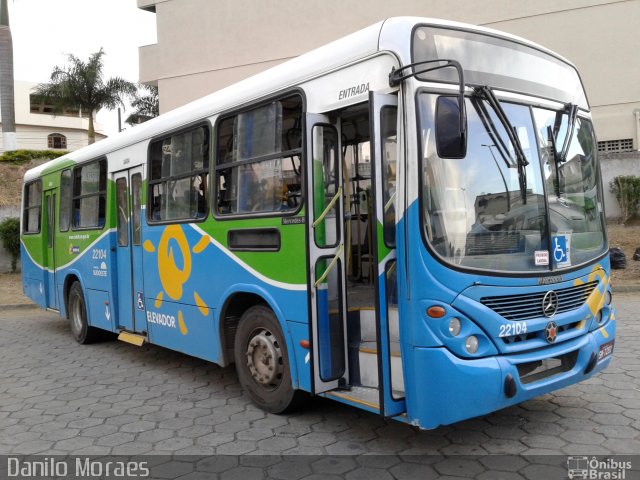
[(237, 300), (69, 280)]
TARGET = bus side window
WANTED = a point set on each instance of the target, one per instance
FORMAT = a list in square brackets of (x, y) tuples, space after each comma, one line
[(32, 207), (66, 194), (179, 167), (89, 195), (258, 162)]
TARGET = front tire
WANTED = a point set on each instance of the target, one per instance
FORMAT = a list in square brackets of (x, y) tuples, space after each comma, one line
[(77, 310), (262, 361)]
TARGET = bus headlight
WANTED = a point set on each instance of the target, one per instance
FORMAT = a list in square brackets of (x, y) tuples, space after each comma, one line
[(471, 344), (607, 298), (454, 326)]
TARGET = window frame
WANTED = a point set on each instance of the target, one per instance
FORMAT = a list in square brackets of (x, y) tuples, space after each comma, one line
[(163, 180), (51, 138), (25, 207), (99, 194), (216, 168)]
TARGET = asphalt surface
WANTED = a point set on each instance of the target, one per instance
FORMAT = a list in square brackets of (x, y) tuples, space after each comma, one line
[(111, 398)]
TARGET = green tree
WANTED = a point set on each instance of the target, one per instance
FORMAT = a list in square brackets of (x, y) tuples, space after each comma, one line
[(81, 85), (10, 236), (626, 189), (146, 105)]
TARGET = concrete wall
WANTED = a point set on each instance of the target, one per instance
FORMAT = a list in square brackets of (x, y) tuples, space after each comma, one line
[(613, 165), (5, 257), (228, 40)]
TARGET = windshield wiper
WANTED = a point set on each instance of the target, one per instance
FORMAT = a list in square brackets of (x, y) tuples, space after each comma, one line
[(521, 160), (572, 112), (560, 157), (551, 139)]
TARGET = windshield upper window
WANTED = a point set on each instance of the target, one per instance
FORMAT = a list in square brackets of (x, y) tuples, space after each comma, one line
[(476, 213), (504, 64)]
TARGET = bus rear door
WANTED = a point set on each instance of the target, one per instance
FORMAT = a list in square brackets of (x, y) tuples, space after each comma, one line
[(50, 258), (129, 282)]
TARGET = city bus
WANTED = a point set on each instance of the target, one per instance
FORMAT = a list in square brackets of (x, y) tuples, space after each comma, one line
[(408, 220)]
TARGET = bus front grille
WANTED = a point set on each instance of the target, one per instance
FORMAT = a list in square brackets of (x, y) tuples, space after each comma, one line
[(529, 305)]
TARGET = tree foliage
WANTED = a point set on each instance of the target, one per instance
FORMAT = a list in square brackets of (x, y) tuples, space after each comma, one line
[(82, 85), (10, 236), (626, 189), (18, 157), (146, 105)]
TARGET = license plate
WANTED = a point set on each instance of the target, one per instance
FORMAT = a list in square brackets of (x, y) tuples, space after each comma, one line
[(606, 349)]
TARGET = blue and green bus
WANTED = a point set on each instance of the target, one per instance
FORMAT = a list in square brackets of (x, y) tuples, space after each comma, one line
[(408, 220)]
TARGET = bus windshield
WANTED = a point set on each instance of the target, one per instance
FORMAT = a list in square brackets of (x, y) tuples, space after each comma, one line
[(475, 210)]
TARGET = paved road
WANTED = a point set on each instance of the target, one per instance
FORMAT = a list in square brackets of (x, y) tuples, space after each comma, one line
[(58, 397)]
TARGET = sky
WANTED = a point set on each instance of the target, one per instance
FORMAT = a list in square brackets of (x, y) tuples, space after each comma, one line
[(45, 31)]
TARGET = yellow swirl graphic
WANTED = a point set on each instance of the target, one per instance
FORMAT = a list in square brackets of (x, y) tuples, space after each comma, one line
[(204, 309), (181, 324), (172, 277)]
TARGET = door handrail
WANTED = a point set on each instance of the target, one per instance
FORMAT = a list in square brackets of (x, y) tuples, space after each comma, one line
[(329, 207), (329, 267), (390, 202)]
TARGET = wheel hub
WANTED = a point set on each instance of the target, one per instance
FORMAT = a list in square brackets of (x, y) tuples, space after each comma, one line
[(264, 359)]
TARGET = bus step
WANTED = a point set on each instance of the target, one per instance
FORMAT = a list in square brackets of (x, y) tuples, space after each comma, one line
[(367, 318), (361, 396), (132, 338), (368, 359)]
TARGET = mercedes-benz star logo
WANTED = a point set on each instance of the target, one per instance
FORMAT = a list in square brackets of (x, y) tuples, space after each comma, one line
[(550, 332), (550, 303)]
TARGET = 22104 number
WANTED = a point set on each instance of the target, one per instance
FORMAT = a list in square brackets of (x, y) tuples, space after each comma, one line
[(516, 328)]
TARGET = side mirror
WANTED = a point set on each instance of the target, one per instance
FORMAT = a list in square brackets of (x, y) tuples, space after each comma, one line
[(451, 128)]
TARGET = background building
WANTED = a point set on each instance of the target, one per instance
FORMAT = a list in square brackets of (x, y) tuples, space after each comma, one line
[(204, 45), (37, 128)]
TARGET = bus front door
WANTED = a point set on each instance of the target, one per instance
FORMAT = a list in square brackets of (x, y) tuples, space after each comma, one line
[(384, 158), (129, 281), (50, 262), (326, 254)]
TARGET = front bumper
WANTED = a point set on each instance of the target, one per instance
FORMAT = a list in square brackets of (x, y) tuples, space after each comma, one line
[(449, 389)]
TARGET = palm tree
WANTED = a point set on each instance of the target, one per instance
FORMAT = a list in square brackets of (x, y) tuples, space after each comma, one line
[(81, 85), (146, 105), (7, 106)]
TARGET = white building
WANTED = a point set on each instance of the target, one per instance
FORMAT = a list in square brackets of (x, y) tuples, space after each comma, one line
[(37, 128)]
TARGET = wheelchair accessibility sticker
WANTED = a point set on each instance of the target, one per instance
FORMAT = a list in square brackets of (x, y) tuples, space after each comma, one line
[(561, 249)]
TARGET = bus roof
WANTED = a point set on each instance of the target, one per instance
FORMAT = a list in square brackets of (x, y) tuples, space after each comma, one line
[(382, 36)]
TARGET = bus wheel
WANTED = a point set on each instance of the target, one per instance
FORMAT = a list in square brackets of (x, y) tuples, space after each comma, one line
[(80, 329), (262, 361)]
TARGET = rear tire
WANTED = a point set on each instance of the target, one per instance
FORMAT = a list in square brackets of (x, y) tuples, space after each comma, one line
[(77, 313), (262, 361)]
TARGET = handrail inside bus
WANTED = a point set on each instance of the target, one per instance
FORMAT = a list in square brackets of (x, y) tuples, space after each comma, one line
[(329, 267), (329, 207)]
